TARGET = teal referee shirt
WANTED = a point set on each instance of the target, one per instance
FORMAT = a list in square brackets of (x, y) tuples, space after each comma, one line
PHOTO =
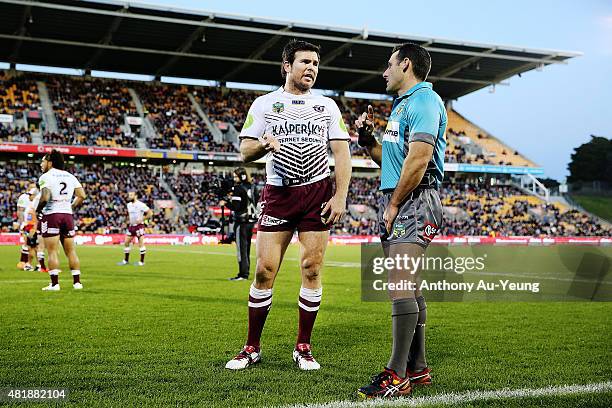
[(417, 116)]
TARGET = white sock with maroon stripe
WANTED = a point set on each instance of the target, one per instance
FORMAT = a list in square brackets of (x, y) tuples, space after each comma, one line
[(41, 259), (260, 302), (54, 275), (76, 276), (25, 253), (308, 302)]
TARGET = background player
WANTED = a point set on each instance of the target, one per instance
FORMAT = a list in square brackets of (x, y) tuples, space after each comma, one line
[(22, 204), (295, 129), (57, 188), (34, 240), (138, 212), (410, 212)]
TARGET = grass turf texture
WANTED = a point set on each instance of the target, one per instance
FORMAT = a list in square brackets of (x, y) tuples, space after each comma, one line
[(161, 335), (601, 206)]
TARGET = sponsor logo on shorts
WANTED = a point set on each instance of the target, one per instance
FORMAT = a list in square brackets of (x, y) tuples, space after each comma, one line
[(269, 221), (43, 227), (429, 231)]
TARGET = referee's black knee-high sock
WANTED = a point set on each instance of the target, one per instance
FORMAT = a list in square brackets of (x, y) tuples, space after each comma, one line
[(404, 314)]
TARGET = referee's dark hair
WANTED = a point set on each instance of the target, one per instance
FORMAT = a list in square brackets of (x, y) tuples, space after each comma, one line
[(418, 56), (56, 158), (294, 46)]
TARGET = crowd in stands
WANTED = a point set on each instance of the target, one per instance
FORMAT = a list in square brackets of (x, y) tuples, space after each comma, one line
[(105, 210), (14, 181), (506, 211), (226, 105), (17, 94), (90, 112), (469, 209), (14, 135), (177, 123)]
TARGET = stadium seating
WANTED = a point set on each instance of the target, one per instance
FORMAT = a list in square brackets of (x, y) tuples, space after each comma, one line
[(493, 151), (226, 105), (105, 209), (90, 112), (177, 123), (469, 209), (17, 93), (15, 135)]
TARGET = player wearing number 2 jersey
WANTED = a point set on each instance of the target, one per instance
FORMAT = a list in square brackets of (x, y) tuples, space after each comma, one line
[(56, 205)]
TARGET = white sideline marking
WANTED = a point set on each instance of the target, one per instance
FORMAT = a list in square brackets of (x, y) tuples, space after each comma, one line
[(358, 265), (233, 255), (466, 397)]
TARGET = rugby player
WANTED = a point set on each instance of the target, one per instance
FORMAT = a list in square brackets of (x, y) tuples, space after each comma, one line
[(138, 213), (294, 129), (22, 204), (56, 206), (411, 158), (33, 240)]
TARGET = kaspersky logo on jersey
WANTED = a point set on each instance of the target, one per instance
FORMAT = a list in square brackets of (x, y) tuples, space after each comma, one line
[(298, 128), (392, 132)]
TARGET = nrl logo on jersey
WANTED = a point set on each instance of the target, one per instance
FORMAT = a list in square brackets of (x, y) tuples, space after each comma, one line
[(278, 107)]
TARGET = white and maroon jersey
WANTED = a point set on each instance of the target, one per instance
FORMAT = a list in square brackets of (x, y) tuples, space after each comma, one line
[(136, 211), (304, 125), (23, 201), (61, 185), (31, 209)]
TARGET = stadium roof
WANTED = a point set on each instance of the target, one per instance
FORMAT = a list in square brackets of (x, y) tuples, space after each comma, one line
[(156, 40)]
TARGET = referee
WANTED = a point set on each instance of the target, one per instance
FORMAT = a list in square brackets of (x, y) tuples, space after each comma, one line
[(411, 158), (243, 202)]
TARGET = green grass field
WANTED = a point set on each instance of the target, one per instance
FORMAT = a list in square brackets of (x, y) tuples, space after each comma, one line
[(600, 206), (160, 335)]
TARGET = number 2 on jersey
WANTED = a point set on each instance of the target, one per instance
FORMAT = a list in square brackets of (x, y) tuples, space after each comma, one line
[(63, 190)]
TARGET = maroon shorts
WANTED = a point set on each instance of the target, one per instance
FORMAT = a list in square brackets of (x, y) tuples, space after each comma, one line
[(288, 208), (52, 225), (137, 230)]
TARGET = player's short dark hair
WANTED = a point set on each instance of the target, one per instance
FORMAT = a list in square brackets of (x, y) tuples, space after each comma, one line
[(418, 56), (56, 158), (294, 46)]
